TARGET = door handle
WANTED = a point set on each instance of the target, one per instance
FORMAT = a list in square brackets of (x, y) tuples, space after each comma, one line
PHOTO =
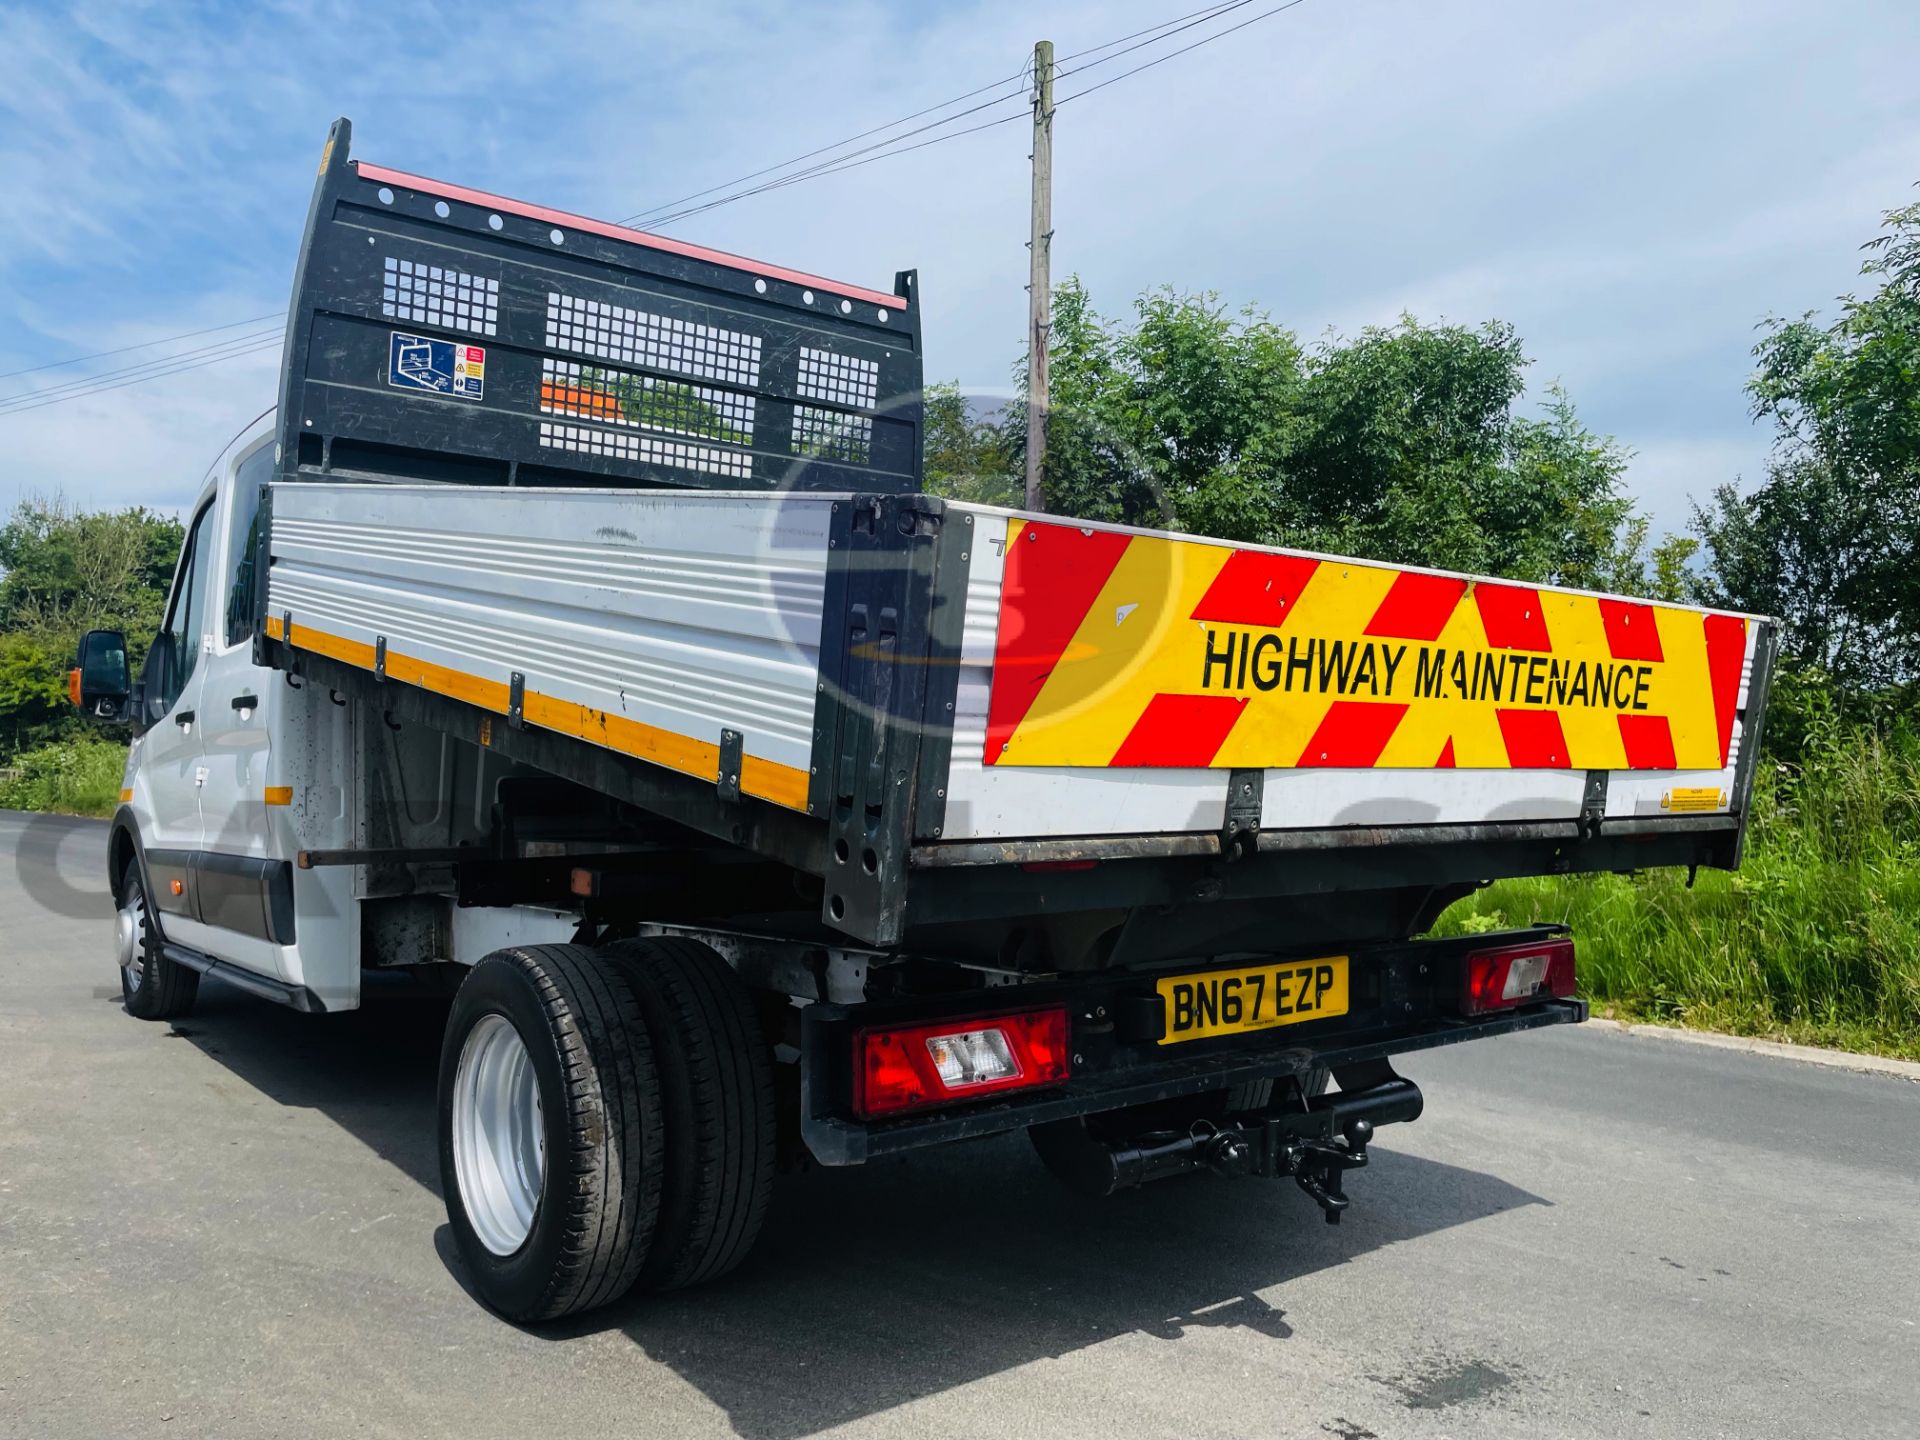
[(183, 719), (246, 702)]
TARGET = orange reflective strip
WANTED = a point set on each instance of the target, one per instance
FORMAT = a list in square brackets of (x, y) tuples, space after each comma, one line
[(279, 795), (617, 732), (770, 780), (766, 779)]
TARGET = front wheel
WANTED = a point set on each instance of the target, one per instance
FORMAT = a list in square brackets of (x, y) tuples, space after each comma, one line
[(550, 1131), (152, 987)]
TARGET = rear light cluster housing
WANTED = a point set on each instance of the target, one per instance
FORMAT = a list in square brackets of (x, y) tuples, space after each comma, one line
[(899, 1069), (1506, 976)]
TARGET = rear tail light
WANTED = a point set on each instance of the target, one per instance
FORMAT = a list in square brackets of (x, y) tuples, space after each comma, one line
[(916, 1066), (1510, 975)]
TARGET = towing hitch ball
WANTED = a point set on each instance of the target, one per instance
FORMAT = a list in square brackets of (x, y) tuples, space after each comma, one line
[(1318, 1166)]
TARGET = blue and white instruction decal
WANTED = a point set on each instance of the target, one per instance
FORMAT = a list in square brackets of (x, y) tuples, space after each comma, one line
[(417, 362)]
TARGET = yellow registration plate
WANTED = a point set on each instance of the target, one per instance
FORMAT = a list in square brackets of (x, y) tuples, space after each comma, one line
[(1226, 1002)]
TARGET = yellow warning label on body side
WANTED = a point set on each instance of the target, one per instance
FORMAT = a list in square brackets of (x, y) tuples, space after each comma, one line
[(1681, 800)]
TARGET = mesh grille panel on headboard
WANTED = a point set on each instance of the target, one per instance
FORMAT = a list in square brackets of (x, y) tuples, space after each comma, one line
[(442, 333)]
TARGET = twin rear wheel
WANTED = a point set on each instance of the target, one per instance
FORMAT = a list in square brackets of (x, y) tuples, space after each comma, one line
[(606, 1121)]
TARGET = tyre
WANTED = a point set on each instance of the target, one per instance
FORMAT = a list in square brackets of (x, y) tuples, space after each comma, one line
[(152, 987), (550, 1131), (716, 1092)]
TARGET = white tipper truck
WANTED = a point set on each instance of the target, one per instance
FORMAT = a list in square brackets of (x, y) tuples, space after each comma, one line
[(575, 633)]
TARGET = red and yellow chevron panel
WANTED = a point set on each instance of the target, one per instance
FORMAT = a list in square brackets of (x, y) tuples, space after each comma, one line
[(1141, 650)]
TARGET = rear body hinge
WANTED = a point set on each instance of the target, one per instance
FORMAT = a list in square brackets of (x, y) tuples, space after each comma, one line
[(1593, 804), (1240, 826), (732, 754)]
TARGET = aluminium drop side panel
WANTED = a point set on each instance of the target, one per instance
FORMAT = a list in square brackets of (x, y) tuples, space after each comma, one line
[(1112, 720), (648, 622)]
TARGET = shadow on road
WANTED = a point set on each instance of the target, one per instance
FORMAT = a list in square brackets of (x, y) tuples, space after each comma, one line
[(880, 1285), (51, 853), (872, 1286)]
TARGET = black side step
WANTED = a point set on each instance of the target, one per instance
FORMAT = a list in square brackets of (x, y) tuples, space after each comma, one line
[(294, 997)]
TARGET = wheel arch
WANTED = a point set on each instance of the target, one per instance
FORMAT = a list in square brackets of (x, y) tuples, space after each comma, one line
[(123, 845)]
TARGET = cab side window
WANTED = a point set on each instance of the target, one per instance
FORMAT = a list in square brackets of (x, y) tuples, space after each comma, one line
[(186, 611), (243, 530)]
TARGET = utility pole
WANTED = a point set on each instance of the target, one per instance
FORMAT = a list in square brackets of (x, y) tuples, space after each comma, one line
[(1040, 282)]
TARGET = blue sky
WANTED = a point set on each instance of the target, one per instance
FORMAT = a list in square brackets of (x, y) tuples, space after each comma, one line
[(1633, 184)]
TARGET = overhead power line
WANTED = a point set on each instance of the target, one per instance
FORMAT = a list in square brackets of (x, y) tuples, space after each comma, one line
[(158, 362), (889, 147), (1019, 75), (832, 163), (1166, 30), (1174, 54), (831, 159), (117, 380), (141, 379), (143, 345), (848, 162)]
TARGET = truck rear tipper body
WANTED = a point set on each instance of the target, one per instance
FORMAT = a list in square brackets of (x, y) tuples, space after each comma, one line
[(617, 654)]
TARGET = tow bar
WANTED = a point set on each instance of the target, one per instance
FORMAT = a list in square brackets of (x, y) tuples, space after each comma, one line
[(1316, 1145)]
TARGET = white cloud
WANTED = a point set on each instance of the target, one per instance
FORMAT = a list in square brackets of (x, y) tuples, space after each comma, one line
[(1669, 476), (1631, 183)]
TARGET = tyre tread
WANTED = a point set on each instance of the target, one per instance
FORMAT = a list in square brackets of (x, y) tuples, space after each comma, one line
[(610, 1171), (716, 1077)]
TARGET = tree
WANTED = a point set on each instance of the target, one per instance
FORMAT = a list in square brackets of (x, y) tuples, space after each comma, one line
[(68, 571), (1830, 539), (1400, 444), (965, 452), (31, 695)]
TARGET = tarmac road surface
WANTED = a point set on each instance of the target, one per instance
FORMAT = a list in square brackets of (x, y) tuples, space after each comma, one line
[(231, 1226)]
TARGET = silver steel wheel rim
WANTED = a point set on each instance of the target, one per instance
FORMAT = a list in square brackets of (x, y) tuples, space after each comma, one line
[(499, 1142), (129, 926)]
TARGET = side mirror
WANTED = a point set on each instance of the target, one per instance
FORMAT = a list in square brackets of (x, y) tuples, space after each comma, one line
[(99, 683)]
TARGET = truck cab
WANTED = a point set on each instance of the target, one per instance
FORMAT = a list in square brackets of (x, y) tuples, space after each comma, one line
[(203, 842)]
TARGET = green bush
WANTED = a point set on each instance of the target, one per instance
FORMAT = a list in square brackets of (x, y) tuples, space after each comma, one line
[(1816, 937), (70, 777)]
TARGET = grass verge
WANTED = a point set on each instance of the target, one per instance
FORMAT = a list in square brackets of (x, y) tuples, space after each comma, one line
[(1816, 939), (69, 777)]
